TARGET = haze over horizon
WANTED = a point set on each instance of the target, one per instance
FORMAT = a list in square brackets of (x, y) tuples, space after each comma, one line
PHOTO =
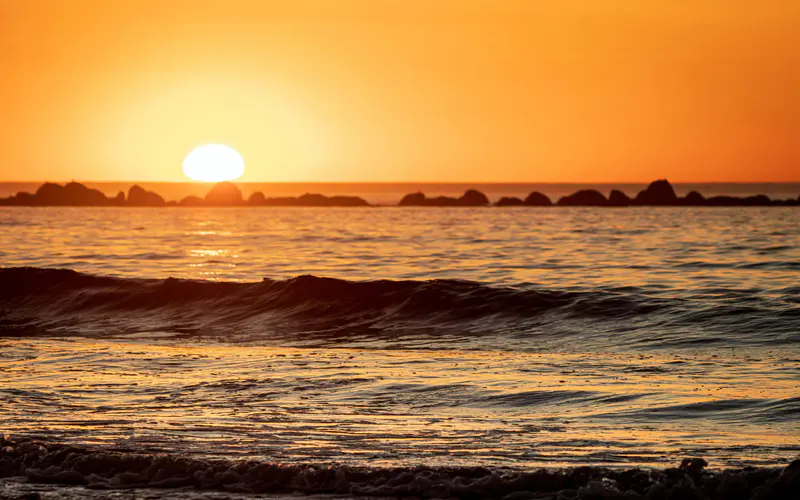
[(357, 91)]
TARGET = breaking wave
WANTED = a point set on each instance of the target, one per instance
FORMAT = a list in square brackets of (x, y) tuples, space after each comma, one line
[(100, 469), (64, 302)]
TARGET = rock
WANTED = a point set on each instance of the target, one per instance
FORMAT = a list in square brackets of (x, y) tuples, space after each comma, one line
[(511, 201), (724, 201), (281, 201), (139, 197), (537, 199), (22, 199), (309, 200), (119, 200), (73, 194), (224, 194), (76, 194), (619, 199), (759, 200), (413, 200), (192, 201), (443, 201), (584, 198), (473, 198), (257, 199), (312, 200), (49, 194), (694, 199), (658, 193), (347, 201)]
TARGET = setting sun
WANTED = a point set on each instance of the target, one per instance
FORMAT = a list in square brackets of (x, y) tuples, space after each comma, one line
[(213, 163)]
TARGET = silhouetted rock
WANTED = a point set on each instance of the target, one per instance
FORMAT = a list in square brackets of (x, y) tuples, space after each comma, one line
[(140, 197), (224, 194), (732, 201), (470, 198), (537, 199), (413, 200), (312, 200), (694, 199), (443, 201), (25, 199), (227, 194), (49, 194), (473, 198), (658, 193), (618, 199), (192, 201), (507, 201), (724, 201), (281, 201), (759, 200), (256, 199), (76, 194), (347, 201), (21, 199), (72, 194), (584, 198)]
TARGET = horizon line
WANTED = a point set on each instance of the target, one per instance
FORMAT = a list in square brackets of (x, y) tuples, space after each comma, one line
[(189, 181)]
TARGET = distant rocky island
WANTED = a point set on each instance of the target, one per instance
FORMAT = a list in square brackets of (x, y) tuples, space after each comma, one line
[(659, 193), (223, 194)]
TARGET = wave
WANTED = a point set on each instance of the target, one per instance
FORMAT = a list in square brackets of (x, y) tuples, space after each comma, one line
[(115, 469), (764, 411), (63, 302)]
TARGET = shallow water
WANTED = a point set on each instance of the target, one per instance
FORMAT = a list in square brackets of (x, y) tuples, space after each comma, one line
[(393, 407), (553, 336)]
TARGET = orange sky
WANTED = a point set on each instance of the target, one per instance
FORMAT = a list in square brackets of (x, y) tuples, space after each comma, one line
[(391, 90)]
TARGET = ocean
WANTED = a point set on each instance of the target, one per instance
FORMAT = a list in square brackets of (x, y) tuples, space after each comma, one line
[(377, 338)]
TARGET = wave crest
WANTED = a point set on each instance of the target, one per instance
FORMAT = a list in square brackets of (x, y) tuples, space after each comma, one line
[(64, 301)]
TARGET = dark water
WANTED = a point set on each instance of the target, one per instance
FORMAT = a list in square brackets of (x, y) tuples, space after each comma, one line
[(396, 337)]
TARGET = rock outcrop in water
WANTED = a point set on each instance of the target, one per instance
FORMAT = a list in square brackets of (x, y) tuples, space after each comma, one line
[(98, 469), (509, 201), (537, 199), (584, 198), (659, 193), (470, 198), (618, 199), (192, 201), (694, 198), (140, 197), (71, 194), (313, 200), (224, 194)]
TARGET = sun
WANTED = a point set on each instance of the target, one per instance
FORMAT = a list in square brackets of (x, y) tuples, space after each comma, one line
[(213, 163)]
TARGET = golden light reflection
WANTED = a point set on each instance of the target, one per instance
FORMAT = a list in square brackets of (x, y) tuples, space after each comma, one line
[(383, 407)]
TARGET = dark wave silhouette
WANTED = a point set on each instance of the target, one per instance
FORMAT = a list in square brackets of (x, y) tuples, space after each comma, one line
[(116, 469), (63, 302)]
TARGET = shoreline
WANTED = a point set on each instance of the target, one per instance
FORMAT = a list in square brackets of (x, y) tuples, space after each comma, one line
[(105, 469)]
